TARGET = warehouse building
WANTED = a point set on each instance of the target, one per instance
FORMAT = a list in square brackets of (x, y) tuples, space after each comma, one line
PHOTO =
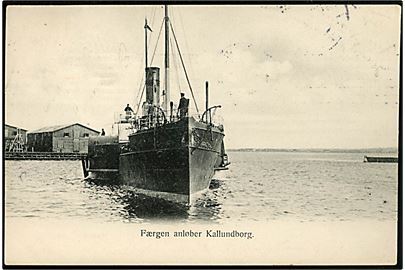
[(65, 138), (15, 138)]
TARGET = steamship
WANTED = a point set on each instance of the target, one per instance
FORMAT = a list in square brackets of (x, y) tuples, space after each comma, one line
[(162, 152)]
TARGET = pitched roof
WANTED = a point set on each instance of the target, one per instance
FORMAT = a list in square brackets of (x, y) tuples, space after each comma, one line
[(15, 127), (59, 127)]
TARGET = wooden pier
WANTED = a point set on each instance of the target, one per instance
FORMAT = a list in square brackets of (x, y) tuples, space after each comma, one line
[(43, 156), (381, 159)]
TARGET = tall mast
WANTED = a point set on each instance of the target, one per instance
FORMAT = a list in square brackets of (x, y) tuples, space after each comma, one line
[(146, 43), (167, 89)]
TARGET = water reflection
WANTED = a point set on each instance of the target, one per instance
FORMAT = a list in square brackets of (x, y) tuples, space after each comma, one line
[(145, 207), (136, 206), (207, 206)]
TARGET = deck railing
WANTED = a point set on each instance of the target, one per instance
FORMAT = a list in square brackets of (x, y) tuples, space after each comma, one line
[(157, 117)]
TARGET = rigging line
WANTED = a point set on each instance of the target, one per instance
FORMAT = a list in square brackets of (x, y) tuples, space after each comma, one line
[(153, 20), (141, 82), (150, 39), (178, 11), (140, 86), (139, 103), (184, 68), (175, 64), (157, 42), (143, 75), (153, 56)]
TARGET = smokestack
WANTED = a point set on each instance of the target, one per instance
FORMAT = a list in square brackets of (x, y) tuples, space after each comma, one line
[(153, 86)]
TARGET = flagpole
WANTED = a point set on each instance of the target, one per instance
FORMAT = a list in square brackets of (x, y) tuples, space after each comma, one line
[(146, 43)]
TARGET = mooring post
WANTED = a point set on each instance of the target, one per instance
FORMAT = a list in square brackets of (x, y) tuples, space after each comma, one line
[(171, 111), (84, 167)]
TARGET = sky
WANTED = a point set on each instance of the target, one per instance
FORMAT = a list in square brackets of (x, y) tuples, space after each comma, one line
[(295, 76)]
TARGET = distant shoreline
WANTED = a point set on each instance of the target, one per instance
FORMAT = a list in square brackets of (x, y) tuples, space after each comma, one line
[(318, 150)]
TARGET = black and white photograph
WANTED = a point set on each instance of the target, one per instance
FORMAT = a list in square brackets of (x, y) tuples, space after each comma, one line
[(201, 134)]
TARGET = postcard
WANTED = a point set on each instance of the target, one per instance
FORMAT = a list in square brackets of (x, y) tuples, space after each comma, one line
[(201, 135)]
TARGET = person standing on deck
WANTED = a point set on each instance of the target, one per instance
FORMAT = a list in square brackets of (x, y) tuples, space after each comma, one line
[(183, 106), (128, 111), (102, 132)]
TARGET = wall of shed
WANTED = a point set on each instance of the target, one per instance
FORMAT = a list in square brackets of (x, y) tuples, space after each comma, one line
[(39, 142), (75, 142)]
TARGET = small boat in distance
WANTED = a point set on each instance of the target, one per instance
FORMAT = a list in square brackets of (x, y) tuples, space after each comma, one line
[(381, 159), (167, 153)]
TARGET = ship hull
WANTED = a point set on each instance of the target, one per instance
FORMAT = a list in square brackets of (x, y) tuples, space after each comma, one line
[(175, 161), (102, 162)]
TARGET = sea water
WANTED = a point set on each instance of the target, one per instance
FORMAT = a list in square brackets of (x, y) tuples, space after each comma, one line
[(259, 186)]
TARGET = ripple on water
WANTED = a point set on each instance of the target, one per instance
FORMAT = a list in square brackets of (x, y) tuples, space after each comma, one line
[(258, 186)]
